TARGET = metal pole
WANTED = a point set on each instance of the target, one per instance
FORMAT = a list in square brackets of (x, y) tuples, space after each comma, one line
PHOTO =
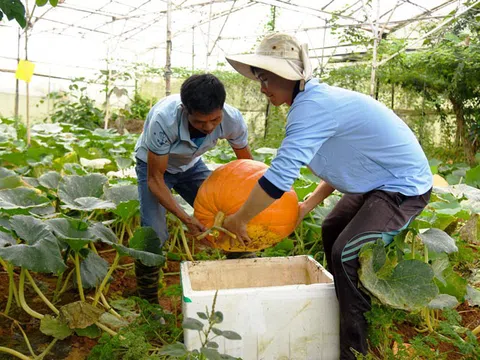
[(27, 83), (193, 49), (208, 35), (17, 97), (168, 63)]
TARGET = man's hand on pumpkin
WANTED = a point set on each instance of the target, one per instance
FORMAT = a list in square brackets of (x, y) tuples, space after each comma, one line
[(239, 227), (194, 226)]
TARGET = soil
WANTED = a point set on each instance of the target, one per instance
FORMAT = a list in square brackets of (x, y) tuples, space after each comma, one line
[(73, 347)]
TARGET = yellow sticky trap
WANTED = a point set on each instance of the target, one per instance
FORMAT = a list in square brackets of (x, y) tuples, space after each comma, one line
[(25, 70)]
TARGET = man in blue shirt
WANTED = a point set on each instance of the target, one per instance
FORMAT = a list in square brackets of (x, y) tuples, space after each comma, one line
[(177, 131), (353, 144)]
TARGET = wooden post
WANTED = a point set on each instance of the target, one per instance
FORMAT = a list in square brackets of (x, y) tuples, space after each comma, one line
[(168, 64)]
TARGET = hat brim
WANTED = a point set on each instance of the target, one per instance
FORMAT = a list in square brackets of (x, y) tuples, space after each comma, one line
[(279, 66)]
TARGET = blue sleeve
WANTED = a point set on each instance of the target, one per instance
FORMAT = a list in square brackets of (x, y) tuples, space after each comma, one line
[(309, 125), (269, 188), (236, 129), (156, 137)]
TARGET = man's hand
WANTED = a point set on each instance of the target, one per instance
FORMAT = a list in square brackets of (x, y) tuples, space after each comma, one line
[(302, 212), (239, 228), (194, 226)]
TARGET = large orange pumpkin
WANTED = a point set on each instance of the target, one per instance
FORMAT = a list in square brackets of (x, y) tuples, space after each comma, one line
[(227, 189)]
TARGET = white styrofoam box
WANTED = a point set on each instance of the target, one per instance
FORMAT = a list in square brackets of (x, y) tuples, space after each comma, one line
[(283, 307)]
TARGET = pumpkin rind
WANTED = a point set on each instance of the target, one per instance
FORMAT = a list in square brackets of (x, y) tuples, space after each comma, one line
[(227, 189)]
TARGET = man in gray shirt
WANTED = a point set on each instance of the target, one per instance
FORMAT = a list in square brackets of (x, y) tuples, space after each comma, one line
[(178, 130)]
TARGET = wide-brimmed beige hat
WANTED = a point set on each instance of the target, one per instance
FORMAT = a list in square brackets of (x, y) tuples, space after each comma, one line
[(278, 53)]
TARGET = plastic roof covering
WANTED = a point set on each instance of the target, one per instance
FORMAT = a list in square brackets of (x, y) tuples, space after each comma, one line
[(74, 38)]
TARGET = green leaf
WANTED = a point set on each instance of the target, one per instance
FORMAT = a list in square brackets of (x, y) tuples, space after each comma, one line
[(55, 327), (473, 296), (217, 331), (454, 285), (14, 9), (123, 162), (443, 301), (177, 350), (121, 193), (231, 335), (210, 354), (93, 270), (79, 314), (127, 210), (113, 322), (103, 233), (145, 257), (409, 287), (54, 2), (145, 239), (6, 239), (21, 198), (218, 317), (202, 315), (472, 177), (212, 344), (41, 253), (450, 208), (75, 233), (50, 180), (74, 187), (9, 179), (439, 265), (41, 2), (439, 241), (192, 324), (91, 331)]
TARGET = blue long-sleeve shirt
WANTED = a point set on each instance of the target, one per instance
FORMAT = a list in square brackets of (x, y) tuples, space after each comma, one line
[(351, 141)]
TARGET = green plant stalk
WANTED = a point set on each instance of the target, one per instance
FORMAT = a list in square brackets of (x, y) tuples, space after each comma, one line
[(47, 350), (9, 269), (106, 329), (39, 292), (26, 339), (211, 320), (174, 238), (476, 331), (108, 307), (105, 279), (94, 249), (185, 244), (64, 287), (21, 295), (14, 353), (413, 247), (122, 233), (79, 277), (57, 287)]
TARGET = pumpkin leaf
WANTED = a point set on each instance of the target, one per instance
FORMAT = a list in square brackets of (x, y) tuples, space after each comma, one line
[(6, 239), (454, 285), (409, 286), (9, 179), (21, 198), (127, 210), (438, 241), (121, 193), (75, 233), (55, 327), (91, 331), (473, 296), (79, 314), (93, 270), (50, 180), (74, 187), (443, 301), (41, 252)]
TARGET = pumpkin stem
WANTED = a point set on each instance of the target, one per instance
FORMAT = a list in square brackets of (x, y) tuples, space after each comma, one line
[(218, 222), (216, 228)]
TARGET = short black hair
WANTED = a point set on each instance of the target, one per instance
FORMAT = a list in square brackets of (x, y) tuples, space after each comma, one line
[(203, 93)]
